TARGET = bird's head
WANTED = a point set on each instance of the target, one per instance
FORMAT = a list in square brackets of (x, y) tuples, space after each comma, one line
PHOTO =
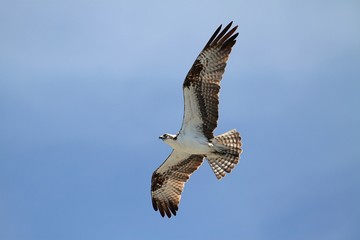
[(166, 137)]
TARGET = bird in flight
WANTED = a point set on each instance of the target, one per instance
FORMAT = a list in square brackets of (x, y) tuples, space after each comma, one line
[(195, 140)]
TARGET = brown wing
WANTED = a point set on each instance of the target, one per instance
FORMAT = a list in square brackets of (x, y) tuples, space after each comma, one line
[(167, 182), (202, 84)]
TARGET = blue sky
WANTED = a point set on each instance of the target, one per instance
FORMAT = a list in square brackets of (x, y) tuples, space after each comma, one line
[(86, 88)]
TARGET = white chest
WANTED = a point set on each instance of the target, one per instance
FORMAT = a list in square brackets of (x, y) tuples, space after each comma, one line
[(192, 144)]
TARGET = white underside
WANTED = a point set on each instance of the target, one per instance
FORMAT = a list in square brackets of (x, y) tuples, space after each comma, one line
[(191, 138), (191, 143)]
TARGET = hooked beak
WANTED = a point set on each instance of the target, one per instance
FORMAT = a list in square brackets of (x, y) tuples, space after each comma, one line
[(162, 137)]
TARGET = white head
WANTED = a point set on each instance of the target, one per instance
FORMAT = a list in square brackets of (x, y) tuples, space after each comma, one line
[(168, 138)]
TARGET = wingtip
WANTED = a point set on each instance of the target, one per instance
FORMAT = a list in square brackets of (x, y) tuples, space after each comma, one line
[(230, 24), (221, 35), (173, 208), (162, 212), (167, 210), (154, 205)]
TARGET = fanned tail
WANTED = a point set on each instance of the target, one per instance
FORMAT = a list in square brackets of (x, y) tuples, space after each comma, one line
[(227, 155)]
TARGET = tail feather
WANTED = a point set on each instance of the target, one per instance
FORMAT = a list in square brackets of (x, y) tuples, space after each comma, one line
[(227, 155)]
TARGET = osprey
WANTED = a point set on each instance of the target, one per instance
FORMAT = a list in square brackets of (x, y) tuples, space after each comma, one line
[(195, 140)]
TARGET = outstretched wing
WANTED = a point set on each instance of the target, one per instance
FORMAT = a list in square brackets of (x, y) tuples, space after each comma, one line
[(202, 84), (167, 182)]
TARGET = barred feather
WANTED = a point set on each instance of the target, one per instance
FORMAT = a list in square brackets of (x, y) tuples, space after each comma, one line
[(229, 145)]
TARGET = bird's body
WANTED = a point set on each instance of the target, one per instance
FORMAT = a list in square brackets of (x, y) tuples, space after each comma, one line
[(195, 140), (190, 142)]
